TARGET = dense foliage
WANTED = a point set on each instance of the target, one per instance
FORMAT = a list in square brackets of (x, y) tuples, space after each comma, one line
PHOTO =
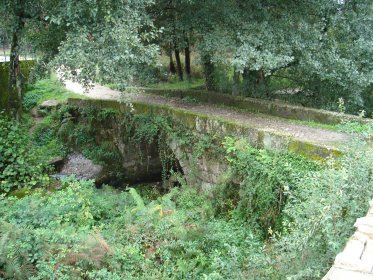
[(20, 164), (85, 233), (275, 215), (311, 53), (264, 179), (318, 211), (320, 50)]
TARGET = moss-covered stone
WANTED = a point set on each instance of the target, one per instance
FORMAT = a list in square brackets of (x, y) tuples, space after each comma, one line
[(278, 109), (313, 151), (4, 80), (204, 124)]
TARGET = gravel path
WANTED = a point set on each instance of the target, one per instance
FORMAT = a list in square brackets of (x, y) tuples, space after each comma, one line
[(298, 131)]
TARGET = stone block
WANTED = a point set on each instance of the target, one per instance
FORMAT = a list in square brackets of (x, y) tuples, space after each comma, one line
[(344, 274), (50, 104), (363, 238), (353, 250), (368, 252), (365, 225), (349, 262)]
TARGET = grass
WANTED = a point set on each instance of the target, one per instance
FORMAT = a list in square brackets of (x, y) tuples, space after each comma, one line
[(51, 88), (47, 89), (355, 128), (193, 84)]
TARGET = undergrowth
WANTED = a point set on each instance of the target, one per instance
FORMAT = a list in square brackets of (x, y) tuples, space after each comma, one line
[(274, 215), (22, 165), (82, 233), (79, 232), (46, 89)]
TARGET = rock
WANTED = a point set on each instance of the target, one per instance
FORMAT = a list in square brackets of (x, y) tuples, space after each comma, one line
[(367, 255), (365, 225), (50, 104), (35, 113), (83, 168)]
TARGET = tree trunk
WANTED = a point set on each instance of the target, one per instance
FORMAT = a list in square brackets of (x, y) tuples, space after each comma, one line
[(262, 84), (172, 64), (208, 71), (255, 82), (188, 70), (248, 78), (15, 79), (178, 64), (4, 43), (236, 82)]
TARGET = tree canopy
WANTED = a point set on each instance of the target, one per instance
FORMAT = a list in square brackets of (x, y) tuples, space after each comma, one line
[(324, 47)]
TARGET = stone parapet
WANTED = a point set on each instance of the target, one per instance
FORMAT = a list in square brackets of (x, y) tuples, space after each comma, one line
[(274, 108), (256, 135)]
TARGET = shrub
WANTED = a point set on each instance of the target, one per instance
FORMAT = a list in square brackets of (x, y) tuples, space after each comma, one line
[(20, 164), (80, 232), (321, 211), (30, 100), (264, 177)]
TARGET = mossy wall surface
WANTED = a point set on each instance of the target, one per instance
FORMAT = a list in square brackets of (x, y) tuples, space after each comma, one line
[(205, 124), (4, 79), (259, 106)]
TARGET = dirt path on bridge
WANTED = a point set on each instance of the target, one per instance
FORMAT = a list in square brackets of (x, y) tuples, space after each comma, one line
[(301, 132)]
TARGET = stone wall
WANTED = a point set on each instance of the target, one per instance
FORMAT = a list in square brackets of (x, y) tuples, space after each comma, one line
[(260, 138), (278, 109), (207, 169)]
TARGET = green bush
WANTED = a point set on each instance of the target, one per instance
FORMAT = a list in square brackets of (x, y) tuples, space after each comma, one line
[(80, 232), (30, 100), (264, 177), (20, 164), (44, 137), (306, 210), (319, 215)]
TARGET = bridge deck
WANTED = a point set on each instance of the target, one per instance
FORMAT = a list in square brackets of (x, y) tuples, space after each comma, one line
[(319, 136)]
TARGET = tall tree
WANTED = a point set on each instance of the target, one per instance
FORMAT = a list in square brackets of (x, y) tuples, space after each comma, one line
[(14, 15), (104, 39), (325, 45), (176, 20)]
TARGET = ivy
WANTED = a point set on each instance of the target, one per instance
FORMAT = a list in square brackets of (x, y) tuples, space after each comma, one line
[(264, 179), (21, 165)]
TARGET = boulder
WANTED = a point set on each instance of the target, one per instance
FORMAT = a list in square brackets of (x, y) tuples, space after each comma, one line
[(35, 113), (83, 168), (49, 104)]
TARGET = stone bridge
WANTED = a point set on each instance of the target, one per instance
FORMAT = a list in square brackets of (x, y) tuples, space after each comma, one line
[(272, 134), (261, 130)]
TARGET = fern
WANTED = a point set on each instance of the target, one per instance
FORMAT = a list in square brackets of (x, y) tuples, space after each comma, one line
[(137, 198)]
